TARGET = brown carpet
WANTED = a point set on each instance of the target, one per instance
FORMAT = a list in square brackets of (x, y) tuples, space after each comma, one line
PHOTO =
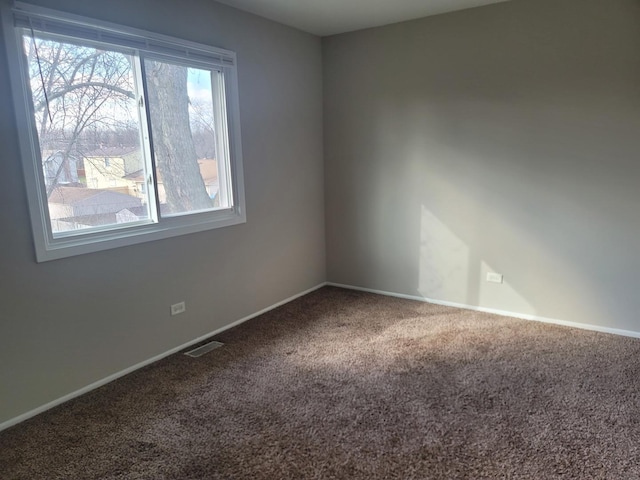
[(348, 385)]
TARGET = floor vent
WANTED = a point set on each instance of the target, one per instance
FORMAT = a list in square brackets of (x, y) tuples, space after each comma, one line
[(206, 348)]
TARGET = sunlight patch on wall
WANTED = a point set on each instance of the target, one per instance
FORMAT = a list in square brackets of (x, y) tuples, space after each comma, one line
[(451, 271)]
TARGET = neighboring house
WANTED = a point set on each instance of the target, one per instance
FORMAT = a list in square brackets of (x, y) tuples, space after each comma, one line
[(57, 171), (121, 167), (108, 167), (72, 208), (208, 171)]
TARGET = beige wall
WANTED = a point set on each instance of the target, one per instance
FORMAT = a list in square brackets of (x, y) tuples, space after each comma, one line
[(503, 138), (100, 176), (67, 323)]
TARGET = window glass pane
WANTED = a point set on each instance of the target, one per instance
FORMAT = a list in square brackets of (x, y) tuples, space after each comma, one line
[(88, 127), (181, 109)]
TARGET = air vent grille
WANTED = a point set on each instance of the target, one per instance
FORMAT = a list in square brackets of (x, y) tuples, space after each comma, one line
[(206, 348)]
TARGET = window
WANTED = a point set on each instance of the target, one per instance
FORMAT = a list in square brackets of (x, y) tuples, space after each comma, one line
[(112, 111)]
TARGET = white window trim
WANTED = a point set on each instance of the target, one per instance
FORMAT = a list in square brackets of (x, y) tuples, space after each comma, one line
[(46, 246)]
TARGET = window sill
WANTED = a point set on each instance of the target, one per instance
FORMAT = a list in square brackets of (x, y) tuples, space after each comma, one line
[(63, 247)]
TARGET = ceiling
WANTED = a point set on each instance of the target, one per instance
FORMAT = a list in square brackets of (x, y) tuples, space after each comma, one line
[(328, 17)]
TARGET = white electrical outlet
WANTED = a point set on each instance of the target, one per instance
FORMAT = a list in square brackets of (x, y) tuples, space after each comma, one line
[(494, 277), (178, 308)]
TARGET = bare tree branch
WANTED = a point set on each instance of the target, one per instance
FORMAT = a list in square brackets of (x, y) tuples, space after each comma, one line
[(79, 86)]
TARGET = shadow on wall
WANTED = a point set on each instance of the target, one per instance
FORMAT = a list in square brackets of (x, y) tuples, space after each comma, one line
[(451, 269)]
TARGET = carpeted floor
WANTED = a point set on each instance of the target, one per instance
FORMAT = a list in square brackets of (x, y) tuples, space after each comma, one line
[(347, 385)]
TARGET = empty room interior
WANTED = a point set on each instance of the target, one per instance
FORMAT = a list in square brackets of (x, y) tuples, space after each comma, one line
[(418, 245)]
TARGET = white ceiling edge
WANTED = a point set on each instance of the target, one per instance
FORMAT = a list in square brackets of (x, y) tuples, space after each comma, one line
[(330, 17)]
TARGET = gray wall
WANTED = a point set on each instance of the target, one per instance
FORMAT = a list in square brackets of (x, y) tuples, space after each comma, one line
[(68, 323), (503, 138)]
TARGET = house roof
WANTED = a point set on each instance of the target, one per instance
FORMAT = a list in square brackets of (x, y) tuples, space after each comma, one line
[(142, 210), (95, 220), (74, 195)]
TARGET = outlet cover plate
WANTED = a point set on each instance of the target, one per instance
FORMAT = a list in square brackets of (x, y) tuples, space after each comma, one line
[(494, 277), (178, 308)]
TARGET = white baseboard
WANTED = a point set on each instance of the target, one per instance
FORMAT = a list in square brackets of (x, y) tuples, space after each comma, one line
[(122, 373), (523, 316), (115, 376)]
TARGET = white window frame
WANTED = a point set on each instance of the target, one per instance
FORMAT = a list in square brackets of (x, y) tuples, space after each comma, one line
[(48, 247)]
